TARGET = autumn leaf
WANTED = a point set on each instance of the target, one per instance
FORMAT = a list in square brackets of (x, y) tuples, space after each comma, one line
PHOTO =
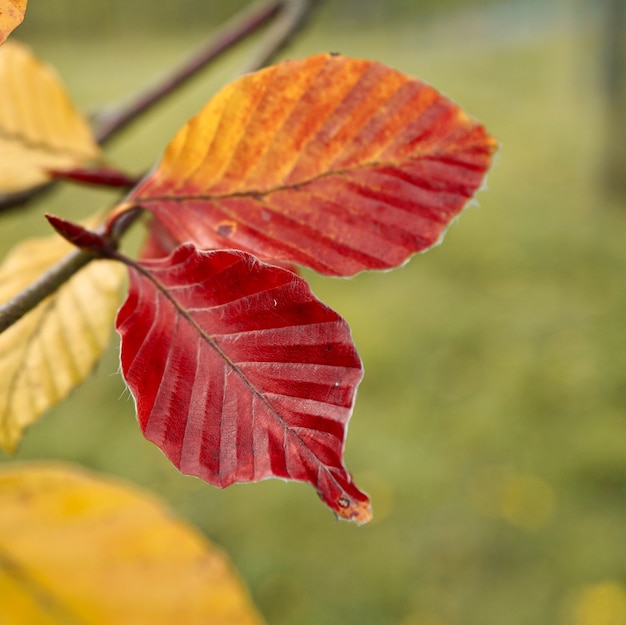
[(76, 548), (330, 162), (11, 16), (159, 241), (40, 129), (54, 347), (239, 373)]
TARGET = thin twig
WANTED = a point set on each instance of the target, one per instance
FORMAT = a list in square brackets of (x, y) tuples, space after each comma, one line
[(13, 310), (108, 122), (107, 234), (292, 18)]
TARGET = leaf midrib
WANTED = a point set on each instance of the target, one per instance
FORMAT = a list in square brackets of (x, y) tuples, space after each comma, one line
[(42, 596), (258, 194)]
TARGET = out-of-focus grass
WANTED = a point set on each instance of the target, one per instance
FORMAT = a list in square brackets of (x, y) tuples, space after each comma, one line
[(490, 427)]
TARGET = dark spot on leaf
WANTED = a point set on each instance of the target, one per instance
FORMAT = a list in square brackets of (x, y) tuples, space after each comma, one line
[(226, 228)]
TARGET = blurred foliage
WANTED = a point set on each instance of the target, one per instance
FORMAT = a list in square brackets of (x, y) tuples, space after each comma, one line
[(83, 19), (76, 548), (490, 429)]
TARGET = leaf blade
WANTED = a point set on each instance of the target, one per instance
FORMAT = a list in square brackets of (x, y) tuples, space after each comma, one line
[(40, 128), (55, 346), (78, 548), (239, 373), (334, 163)]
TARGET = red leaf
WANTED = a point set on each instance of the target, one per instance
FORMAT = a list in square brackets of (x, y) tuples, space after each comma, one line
[(334, 163), (159, 242), (240, 373)]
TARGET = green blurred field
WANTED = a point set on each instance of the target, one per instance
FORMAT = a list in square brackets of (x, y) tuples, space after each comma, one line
[(490, 429)]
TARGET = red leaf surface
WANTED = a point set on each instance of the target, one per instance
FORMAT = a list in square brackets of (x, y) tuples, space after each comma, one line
[(239, 373), (158, 243), (334, 163)]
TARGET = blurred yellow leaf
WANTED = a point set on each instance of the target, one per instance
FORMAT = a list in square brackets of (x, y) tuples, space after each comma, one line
[(54, 347), (603, 603), (40, 129), (77, 549), (525, 500), (11, 16)]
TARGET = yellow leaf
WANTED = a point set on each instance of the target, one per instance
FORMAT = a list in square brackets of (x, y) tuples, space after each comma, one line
[(54, 347), (11, 16), (40, 129), (78, 549)]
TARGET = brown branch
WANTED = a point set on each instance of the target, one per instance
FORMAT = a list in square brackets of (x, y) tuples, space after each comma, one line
[(108, 122), (19, 198), (107, 237), (293, 17), (13, 310)]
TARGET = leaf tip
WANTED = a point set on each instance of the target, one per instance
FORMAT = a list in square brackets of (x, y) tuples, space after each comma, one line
[(360, 512)]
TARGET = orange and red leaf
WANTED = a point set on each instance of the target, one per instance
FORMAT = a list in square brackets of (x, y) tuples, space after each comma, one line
[(330, 162), (11, 16)]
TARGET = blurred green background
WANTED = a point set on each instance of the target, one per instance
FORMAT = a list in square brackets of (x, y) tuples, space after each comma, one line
[(490, 428)]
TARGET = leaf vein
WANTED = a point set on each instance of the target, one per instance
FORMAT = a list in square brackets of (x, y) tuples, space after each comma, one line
[(40, 146)]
